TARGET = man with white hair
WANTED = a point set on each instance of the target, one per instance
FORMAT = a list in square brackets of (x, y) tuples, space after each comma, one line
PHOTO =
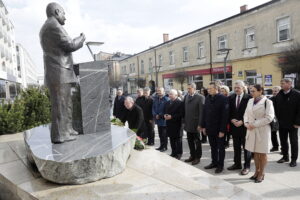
[(158, 109), (193, 107), (237, 106), (134, 116), (119, 110), (287, 109), (173, 116)]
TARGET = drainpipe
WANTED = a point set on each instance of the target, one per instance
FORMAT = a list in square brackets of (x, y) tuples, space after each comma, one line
[(210, 54)]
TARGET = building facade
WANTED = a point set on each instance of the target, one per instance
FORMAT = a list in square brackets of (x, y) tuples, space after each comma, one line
[(10, 82), (254, 39), (26, 68)]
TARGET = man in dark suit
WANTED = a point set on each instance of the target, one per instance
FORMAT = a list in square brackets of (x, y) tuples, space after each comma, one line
[(287, 109), (134, 116), (119, 109), (173, 116), (214, 125), (146, 102), (59, 73), (237, 106)]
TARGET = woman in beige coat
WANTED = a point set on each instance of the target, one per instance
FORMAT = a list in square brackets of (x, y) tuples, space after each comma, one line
[(257, 118)]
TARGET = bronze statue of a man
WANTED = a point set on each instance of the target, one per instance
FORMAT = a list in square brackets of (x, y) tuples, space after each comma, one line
[(59, 73)]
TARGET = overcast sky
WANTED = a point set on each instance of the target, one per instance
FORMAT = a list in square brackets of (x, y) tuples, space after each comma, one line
[(129, 26)]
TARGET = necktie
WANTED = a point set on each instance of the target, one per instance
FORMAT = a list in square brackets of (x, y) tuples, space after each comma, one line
[(238, 102)]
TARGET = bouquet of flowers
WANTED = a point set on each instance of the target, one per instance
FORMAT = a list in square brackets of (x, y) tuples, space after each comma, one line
[(117, 122), (139, 143)]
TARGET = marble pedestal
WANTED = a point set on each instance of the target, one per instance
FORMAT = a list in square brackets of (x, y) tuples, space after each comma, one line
[(89, 158), (94, 96)]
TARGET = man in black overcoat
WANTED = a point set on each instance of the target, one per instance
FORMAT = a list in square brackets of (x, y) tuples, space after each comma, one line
[(237, 106), (214, 125), (119, 109), (173, 115), (134, 116), (287, 110)]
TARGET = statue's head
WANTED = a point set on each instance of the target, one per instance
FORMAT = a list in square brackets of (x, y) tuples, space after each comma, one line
[(55, 10)]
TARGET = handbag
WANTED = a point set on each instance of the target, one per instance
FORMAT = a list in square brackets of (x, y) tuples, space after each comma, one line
[(274, 123)]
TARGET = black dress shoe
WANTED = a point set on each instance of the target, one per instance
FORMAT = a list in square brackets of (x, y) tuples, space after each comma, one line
[(159, 148), (219, 170), (283, 160), (253, 177), (173, 155), (190, 159), (274, 149), (293, 163), (257, 180), (234, 167), (210, 166), (150, 144), (178, 157), (195, 161), (163, 149), (203, 141)]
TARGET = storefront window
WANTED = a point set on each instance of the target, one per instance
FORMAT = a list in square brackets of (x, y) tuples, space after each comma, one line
[(12, 90), (198, 80), (251, 77), (168, 83), (220, 77), (2, 89)]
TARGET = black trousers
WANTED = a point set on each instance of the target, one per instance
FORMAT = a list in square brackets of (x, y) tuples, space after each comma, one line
[(149, 131), (162, 132), (217, 146), (195, 144), (292, 133), (176, 145), (274, 139), (239, 142), (204, 137)]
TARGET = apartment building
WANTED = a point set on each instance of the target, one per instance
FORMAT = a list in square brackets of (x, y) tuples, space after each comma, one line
[(254, 38)]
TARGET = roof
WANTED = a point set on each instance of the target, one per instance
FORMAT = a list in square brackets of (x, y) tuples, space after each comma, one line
[(208, 26)]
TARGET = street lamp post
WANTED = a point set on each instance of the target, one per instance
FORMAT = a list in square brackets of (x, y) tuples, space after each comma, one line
[(88, 44), (226, 50)]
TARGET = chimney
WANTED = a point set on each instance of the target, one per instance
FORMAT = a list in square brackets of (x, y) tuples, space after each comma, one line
[(243, 8), (166, 37)]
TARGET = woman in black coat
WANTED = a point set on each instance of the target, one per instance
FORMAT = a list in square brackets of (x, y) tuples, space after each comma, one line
[(173, 116)]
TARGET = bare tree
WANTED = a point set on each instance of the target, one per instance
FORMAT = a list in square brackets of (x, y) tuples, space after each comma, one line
[(181, 77), (289, 61)]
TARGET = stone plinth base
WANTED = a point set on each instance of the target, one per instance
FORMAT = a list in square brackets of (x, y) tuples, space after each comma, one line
[(88, 158)]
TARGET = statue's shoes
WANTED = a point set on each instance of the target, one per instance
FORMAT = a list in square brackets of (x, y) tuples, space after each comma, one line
[(74, 132), (70, 138)]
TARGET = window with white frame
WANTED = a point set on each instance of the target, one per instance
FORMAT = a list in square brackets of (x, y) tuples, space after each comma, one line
[(150, 65), (171, 58), (124, 71), (283, 29), (200, 49), (133, 68), (160, 59), (250, 37), (130, 68), (185, 54), (142, 67), (222, 42)]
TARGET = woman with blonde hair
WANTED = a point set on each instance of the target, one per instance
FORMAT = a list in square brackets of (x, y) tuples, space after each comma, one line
[(257, 118)]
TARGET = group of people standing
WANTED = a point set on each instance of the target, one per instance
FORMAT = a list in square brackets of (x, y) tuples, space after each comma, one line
[(245, 114)]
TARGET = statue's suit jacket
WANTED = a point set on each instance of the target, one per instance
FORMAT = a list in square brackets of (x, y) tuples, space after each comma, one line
[(58, 48)]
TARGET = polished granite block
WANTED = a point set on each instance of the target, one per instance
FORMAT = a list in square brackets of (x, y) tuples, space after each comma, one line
[(94, 89), (89, 158)]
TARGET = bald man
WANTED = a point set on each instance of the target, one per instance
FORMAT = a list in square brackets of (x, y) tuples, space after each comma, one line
[(59, 73)]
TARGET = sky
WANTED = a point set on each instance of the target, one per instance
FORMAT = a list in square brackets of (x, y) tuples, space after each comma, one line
[(127, 26)]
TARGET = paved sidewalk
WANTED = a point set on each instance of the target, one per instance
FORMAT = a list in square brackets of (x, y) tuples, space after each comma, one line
[(281, 181)]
